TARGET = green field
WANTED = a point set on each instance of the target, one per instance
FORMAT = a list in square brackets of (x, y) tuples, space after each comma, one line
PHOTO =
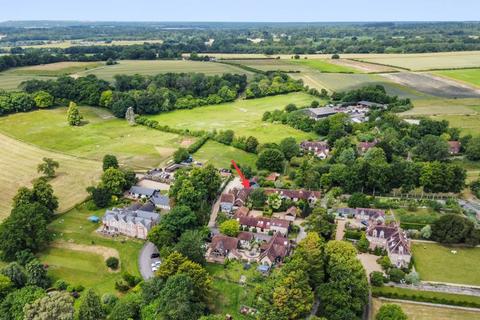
[(324, 66), (435, 262), (153, 67), (470, 76), (468, 123), (18, 167), (427, 61), (137, 147), (221, 155), (87, 267), (242, 116), (423, 312), (55, 69)]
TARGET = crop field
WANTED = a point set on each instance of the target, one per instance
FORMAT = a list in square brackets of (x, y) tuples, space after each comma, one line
[(416, 311), (469, 76), (10, 81), (435, 262), (153, 67), (55, 69), (78, 253), (221, 155), (427, 61), (137, 147), (244, 117), (18, 167), (434, 85)]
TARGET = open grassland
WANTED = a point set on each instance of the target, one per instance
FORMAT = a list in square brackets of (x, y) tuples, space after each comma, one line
[(324, 66), (436, 262), (55, 69), (153, 67), (78, 253), (423, 312), (244, 117), (470, 76), (10, 81), (137, 147), (18, 167), (221, 155), (427, 61)]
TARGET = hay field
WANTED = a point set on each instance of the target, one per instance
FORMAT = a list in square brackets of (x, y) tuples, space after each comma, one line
[(10, 81), (137, 147), (153, 67), (428, 61), (244, 117), (18, 167), (423, 312)]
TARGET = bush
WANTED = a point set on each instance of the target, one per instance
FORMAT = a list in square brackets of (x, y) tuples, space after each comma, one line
[(60, 285), (112, 263), (377, 279), (122, 286), (396, 275)]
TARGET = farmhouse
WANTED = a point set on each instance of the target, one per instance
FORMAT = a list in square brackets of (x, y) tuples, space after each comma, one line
[(320, 113), (454, 147), (363, 214), (274, 251), (319, 148), (296, 195), (160, 201), (226, 202), (133, 221), (136, 192), (393, 239)]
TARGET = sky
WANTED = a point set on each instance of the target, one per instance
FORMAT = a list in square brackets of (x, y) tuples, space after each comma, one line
[(241, 10)]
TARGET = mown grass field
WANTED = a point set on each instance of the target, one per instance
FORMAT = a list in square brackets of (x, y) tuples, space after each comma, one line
[(244, 117), (88, 267), (436, 262), (436, 106), (468, 123), (137, 147), (423, 312), (18, 167), (55, 69), (153, 67), (324, 66), (470, 76), (221, 155), (427, 61)]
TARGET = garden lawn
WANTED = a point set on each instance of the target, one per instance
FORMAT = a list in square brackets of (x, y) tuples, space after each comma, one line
[(244, 117), (228, 294), (470, 76), (153, 67), (18, 167), (324, 66), (78, 267), (436, 262), (423, 312), (137, 147), (221, 155)]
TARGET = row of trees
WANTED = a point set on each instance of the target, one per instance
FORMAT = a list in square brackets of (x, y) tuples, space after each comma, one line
[(271, 84), (12, 102)]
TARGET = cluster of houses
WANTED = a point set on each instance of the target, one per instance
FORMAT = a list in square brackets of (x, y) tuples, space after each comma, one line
[(387, 236), (321, 150), (356, 111), (263, 240)]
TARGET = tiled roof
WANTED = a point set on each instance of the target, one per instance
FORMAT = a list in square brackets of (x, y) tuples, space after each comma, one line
[(227, 198), (142, 191), (277, 247), (263, 222), (222, 242)]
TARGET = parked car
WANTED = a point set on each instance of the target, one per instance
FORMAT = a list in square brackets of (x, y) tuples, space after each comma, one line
[(155, 255)]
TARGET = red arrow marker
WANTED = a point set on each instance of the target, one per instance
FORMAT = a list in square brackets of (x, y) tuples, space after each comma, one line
[(245, 182)]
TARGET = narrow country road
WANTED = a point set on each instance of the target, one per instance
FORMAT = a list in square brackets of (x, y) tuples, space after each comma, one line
[(235, 183), (145, 260)]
